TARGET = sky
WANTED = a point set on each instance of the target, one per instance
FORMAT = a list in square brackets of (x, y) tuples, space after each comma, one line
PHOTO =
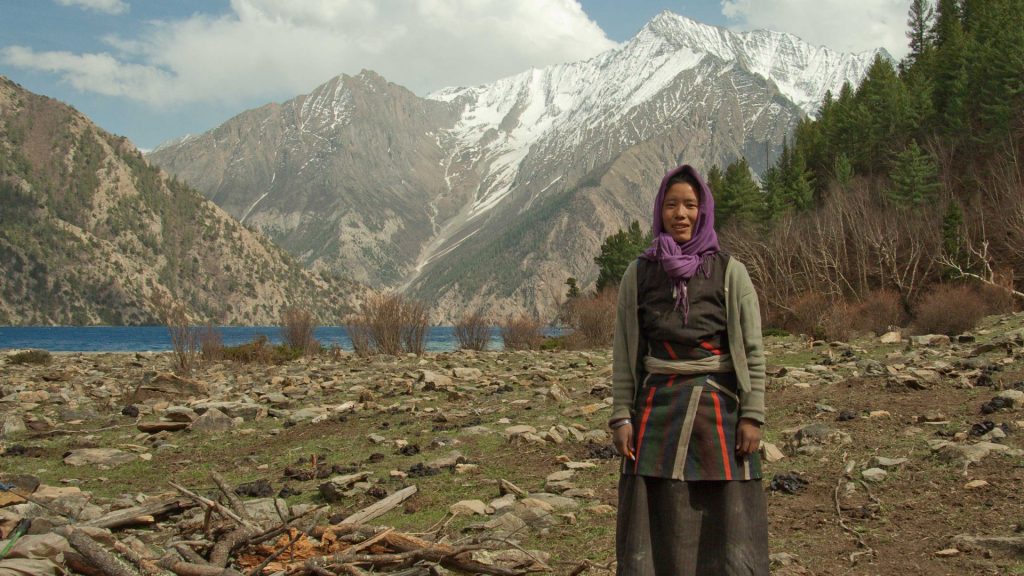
[(154, 70)]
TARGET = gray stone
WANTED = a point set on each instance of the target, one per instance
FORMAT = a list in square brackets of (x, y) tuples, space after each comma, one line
[(470, 508), (435, 379), (1014, 397), (179, 414), (505, 524), (883, 462), (560, 476), (874, 474), (212, 420), (306, 414), (519, 430), (503, 502), (247, 411), (467, 373), (99, 457), (930, 340), (13, 424), (267, 511), (890, 338), (556, 502)]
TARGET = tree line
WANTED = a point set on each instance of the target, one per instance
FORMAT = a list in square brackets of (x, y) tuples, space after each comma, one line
[(911, 180)]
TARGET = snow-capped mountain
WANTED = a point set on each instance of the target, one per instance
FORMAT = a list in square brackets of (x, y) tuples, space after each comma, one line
[(492, 195)]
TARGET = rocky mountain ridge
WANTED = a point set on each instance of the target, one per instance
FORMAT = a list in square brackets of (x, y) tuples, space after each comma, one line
[(490, 196), (91, 234)]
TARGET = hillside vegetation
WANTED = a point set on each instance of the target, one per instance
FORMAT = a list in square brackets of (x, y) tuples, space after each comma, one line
[(92, 234), (910, 180)]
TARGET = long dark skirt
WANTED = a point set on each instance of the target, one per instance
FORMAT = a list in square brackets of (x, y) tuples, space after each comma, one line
[(674, 528)]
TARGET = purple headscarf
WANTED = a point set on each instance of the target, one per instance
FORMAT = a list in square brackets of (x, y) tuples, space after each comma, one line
[(682, 261)]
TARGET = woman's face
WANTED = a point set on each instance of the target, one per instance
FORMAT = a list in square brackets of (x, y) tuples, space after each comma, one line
[(679, 212)]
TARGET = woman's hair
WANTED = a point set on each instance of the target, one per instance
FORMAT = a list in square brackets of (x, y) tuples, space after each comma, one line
[(685, 177)]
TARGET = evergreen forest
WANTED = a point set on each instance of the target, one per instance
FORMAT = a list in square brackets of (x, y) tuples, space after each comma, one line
[(901, 187)]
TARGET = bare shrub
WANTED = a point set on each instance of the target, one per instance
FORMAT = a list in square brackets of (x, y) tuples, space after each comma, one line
[(415, 322), (391, 324), (261, 351), (359, 335), (30, 357), (382, 315), (949, 309), (522, 333), (808, 315), (473, 331), (839, 322), (998, 296), (184, 339), (211, 344), (297, 326), (592, 320), (879, 311)]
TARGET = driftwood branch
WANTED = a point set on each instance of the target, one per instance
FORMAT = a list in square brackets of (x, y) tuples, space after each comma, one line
[(866, 550), (107, 562), (141, 514), (382, 507), (214, 506)]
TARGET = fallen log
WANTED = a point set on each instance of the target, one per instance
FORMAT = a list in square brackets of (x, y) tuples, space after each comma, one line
[(136, 514), (382, 507), (107, 562)]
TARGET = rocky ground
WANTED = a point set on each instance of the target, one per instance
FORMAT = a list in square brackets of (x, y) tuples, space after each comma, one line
[(885, 456)]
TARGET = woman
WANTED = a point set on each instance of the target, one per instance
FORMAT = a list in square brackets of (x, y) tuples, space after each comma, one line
[(688, 388)]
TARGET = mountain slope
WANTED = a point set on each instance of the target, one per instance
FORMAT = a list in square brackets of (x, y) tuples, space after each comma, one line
[(459, 208), (91, 234)]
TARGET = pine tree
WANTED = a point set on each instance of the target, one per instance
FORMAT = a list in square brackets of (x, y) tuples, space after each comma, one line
[(890, 120), (842, 170), (771, 192), (995, 67), (915, 177), (798, 184), (617, 251), (741, 201), (950, 75), (919, 22), (574, 290)]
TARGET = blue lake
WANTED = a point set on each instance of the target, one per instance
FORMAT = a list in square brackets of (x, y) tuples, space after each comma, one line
[(157, 339)]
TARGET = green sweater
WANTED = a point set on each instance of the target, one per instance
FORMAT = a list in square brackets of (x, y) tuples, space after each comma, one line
[(743, 318)]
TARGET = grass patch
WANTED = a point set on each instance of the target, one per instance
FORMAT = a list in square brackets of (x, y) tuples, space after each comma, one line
[(30, 357)]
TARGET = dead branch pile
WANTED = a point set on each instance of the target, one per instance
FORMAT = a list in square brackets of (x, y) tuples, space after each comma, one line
[(233, 544)]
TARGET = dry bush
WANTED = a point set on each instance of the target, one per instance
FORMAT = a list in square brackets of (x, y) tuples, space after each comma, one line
[(592, 320), (184, 339), (839, 322), (522, 333), (879, 312), (415, 323), (211, 344), (808, 314), (473, 331), (359, 335), (297, 326), (949, 309), (30, 357), (261, 351), (849, 246), (392, 325), (998, 296), (382, 315)]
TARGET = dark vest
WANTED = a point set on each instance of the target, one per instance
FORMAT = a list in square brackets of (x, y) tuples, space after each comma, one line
[(706, 318)]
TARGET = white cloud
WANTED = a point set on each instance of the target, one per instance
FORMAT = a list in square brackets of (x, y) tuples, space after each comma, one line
[(846, 25), (273, 49), (108, 6)]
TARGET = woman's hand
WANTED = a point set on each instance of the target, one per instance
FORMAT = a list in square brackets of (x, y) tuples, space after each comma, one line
[(748, 437), (623, 439)]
